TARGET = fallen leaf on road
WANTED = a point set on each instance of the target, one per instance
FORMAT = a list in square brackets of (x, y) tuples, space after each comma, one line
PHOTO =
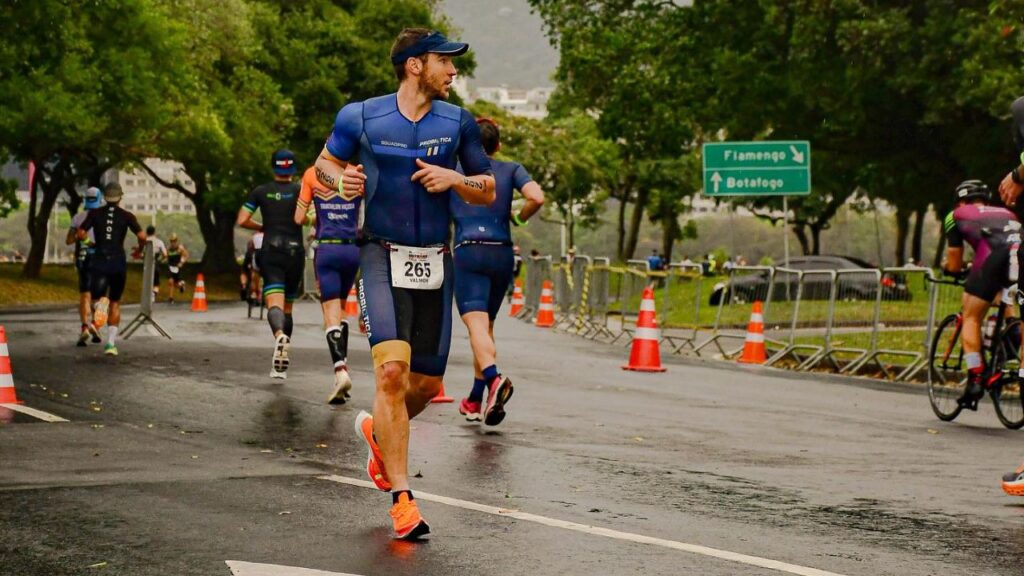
[(149, 425), (933, 431), (321, 445), (97, 426), (97, 565), (63, 394), (418, 475), (194, 457), (638, 438), (284, 513), (266, 451)]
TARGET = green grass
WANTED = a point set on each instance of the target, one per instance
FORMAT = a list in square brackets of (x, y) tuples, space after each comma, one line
[(58, 284)]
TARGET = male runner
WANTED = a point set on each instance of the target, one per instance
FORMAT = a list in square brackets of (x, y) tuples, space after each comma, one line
[(84, 250), (994, 234), (177, 256), (484, 264), (159, 256), (1010, 189), (283, 257), (336, 262), (408, 144), (109, 263)]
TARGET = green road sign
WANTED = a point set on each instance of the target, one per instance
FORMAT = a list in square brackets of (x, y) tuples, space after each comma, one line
[(757, 168)]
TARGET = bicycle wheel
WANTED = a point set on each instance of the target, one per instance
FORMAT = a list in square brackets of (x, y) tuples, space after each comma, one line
[(947, 373), (1006, 392)]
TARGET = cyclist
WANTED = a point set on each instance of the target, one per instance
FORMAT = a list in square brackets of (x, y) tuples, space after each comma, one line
[(484, 264), (336, 262), (177, 256), (994, 234), (408, 144), (109, 263), (84, 250), (282, 255)]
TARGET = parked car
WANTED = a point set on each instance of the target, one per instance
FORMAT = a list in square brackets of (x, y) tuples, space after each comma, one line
[(754, 286)]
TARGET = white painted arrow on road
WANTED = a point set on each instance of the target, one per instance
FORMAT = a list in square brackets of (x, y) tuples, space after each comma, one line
[(251, 569), (716, 178), (798, 156)]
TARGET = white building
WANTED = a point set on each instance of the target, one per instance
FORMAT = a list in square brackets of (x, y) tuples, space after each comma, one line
[(532, 103), (142, 193)]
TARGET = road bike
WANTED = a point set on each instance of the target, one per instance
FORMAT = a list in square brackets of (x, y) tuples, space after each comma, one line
[(947, 374)]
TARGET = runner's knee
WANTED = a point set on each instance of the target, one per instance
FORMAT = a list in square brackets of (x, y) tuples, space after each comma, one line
[(391, 377)]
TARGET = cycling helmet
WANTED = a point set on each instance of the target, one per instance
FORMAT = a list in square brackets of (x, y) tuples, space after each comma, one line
[(970, 189)]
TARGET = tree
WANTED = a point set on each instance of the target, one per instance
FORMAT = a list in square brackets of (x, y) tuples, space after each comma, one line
[(80, 81)]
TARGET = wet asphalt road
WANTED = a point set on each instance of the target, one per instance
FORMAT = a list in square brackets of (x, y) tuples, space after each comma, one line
[(182, 455)]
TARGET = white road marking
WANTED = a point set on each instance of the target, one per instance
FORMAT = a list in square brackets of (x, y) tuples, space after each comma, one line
[(44, 416), (251, 569), (606, 532)]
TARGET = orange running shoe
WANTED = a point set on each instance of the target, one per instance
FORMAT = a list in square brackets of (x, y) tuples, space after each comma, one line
[(405, 515), (1013, 482), (374, 462)]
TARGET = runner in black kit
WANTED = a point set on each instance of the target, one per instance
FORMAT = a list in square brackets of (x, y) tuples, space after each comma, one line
[(109, 263), (282, 258), (84, 250)]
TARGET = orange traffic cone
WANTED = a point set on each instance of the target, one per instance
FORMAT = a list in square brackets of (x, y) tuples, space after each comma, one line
[(646, 356), (352, 304), (517, 299), (753, 344), (7, 395), (546, 310), (199, 296), (441, 397)]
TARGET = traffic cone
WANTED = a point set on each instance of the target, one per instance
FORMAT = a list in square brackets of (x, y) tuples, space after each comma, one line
[(441, 397), (517, 299), (546, 310), (199, 296), (7, 394), (352, 304), (645, 355), (753, 344)]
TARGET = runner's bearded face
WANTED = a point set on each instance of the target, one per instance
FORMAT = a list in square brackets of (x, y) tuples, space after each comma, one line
[(438, 73)]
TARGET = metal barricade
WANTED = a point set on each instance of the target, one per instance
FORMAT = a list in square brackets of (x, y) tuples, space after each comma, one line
[(855, 306), (901, 328), (804, 297), (945, 298), (597, 299), (563, 281), (786, 287), (633, 280), (580, 274), (680, 308), (733, 298), (538, 269)]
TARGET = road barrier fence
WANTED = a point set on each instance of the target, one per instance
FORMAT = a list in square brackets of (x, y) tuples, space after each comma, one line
[(875, 321)]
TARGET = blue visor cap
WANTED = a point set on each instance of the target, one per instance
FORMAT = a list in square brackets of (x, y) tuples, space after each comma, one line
[(283, 163), (436, 43), (93, 198)]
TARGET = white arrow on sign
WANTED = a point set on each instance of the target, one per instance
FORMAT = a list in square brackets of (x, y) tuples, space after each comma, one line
[(716, 178), (251, 569), (798, 156)]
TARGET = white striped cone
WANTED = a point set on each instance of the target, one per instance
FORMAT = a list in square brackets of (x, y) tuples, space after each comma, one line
[(7, 392), (753, 345), (646, 354)]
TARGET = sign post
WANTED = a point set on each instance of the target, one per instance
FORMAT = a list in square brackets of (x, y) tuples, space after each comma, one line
[(766, 168)]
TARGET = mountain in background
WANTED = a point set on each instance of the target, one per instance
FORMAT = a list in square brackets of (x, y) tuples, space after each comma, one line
[(509, 42)]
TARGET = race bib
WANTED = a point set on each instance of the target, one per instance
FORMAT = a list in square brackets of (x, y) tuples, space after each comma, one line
[(417, 268), (174, 269)]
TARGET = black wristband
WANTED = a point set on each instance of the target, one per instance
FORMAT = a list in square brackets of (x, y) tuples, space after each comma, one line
[(1015, 175)]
